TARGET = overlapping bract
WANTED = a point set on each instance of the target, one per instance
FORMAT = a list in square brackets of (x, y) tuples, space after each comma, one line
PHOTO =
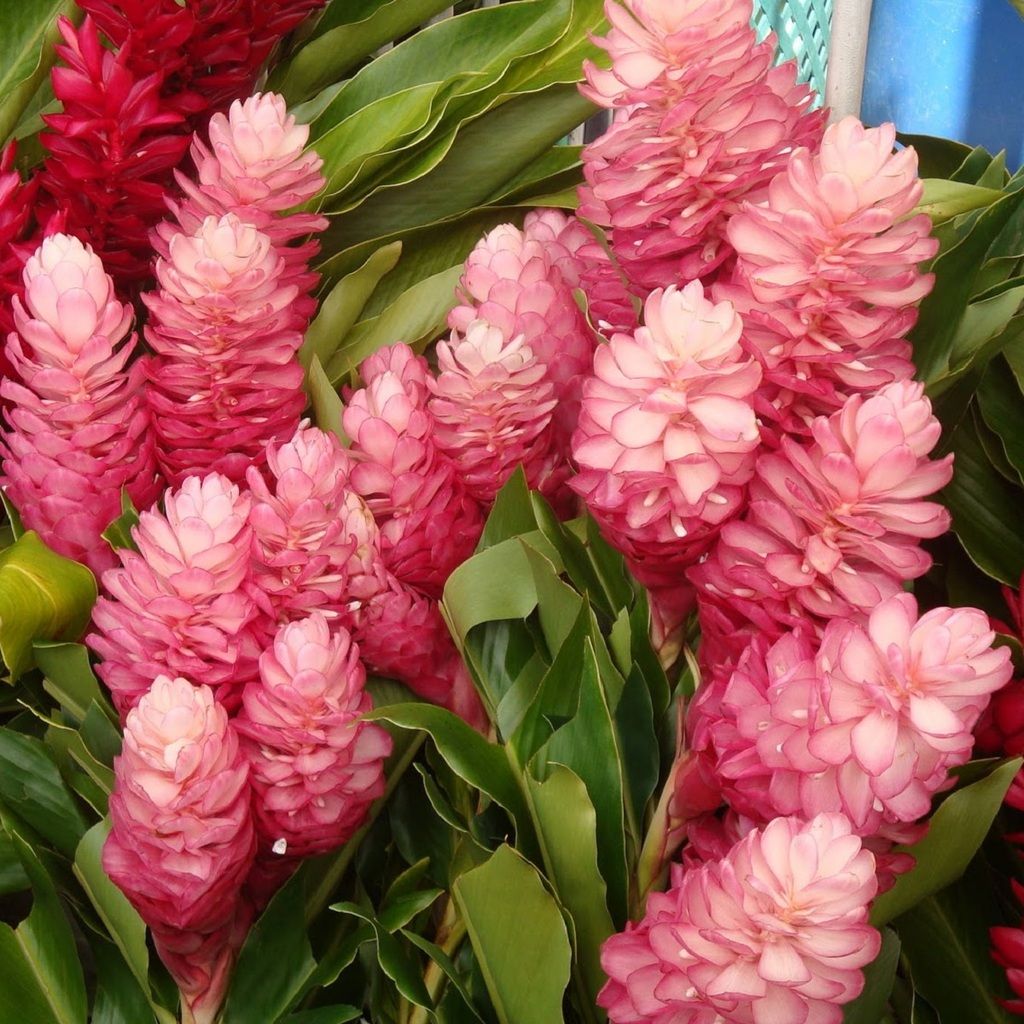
[(182, 838), (78, 433), (775, 930), (703, 122)]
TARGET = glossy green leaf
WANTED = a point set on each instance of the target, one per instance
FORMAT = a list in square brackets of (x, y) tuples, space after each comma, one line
[(275, 963), (12, 874), (325, 1015), (119, 999), (342, 306), (32, 787), (955, 832), (328, 407), (415, 317), (1002, 408), (985, 509), (43, 980), (69, 678), (27, 52), (467, 753), (944, 199), (869, 1007), (937, 158), (441, 958), (567, 827), (42, 597), (333, 52), (119, 533), (519, 938)]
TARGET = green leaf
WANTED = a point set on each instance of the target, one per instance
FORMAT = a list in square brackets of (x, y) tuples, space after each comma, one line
[(275, 963), (325, 1015), (333, 52), (955, 832), (1002, 408), (327, 405), (42, 597), (985, 509), (937, 158), (27, 52), (519, 938), (944, 199), (567, 827), (119, 999), (31, 786), (869, 1006), (43, 978), (12, 874), (340, 310), (119, 533), (415, 317), (441, 958), (467, 753), (69, 678), (122, 921)]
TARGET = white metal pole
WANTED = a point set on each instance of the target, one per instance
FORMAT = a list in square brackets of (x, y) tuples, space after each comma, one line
[(847, 53)]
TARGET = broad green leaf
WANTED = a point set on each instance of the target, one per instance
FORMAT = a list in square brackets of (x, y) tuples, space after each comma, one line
[(415, 317), (519, 938), (43, 596), (333, 52), (589, 746), (275, 963), (944, 199), (945, 945), (340, 310), (1002, 408), (985, 509), (467, 753), (441, 958), (869, 1007), (119, 999), (984, 319), (512, 513), (69, 678), (122, 921), (32, 787), (43, 980), (937, 158), (325, 1015), (955, 832), (567, 830), (119, 533), (327, 405), (395, 960), (12, 874), (27, 52)]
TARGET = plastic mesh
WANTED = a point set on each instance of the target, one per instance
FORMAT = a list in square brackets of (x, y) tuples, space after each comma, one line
[(803, 30)]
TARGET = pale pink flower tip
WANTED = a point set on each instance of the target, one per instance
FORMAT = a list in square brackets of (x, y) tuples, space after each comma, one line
[(316, 766), (78, 433), (776, 930)]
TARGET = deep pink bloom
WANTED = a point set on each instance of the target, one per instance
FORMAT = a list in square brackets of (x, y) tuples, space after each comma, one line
[(79, 434), (1008, 952), (776, 930), (224, 379), (428, 522), (868, 723), (315, 765), (179, 606), (703, 122), (182, 837), (667, 435), (834, 525)]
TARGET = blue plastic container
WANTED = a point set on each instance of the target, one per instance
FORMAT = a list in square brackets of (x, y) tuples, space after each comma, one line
[(953, 68)]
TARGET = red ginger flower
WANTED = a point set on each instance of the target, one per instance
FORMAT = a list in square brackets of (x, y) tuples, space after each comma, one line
[(224, 379), (428, 524), (776, 930), (868, 723), (1008, 952), (182, 838), (79, 434), (667, 435), (315, 765), (178, 605), (833, 526), (830, 267), (704, 122)]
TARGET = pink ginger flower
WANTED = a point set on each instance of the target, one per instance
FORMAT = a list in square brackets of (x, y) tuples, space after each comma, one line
[(178, 606), (224, 379), (776, 930), (182, 839), (79, 434), (428, 523), (832, 258), (255, 167), (315, 765), (302, 547), (703, 123), (667, 434), (521, 283), (833, 526), (868, 723)]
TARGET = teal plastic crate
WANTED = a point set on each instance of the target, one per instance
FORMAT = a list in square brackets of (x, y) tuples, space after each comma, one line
[(803, 30)]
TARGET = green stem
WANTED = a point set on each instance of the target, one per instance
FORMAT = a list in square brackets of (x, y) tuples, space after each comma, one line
[(450, 934)]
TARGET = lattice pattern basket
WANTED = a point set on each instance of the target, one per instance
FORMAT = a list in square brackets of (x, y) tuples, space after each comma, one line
[(802, 27)]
